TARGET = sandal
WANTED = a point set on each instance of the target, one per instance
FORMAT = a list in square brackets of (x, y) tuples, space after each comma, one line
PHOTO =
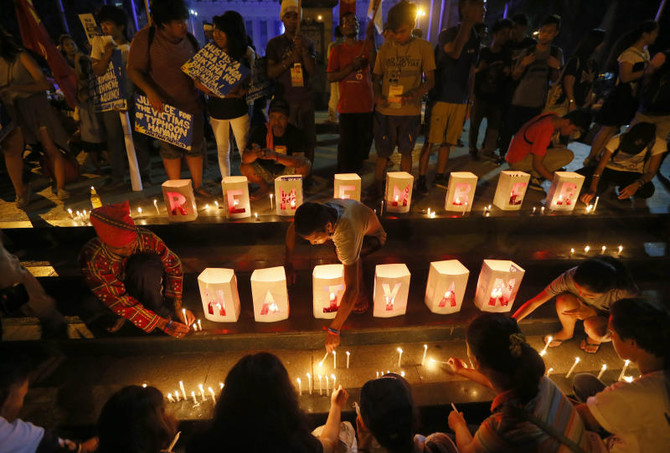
[(588, 347), (555, 342)]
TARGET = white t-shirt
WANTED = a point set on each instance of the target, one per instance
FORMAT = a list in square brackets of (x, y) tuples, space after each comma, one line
[(354, 222), (637, 414), (98, 50), (627, 162), (565, 283), (635, 56), (19, 436)]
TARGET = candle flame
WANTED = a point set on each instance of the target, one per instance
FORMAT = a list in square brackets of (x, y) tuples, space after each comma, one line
[(586, 249), (604, 367), (399, 350)]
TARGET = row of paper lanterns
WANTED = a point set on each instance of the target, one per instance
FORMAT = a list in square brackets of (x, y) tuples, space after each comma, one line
[(509, 195), (498, 284)]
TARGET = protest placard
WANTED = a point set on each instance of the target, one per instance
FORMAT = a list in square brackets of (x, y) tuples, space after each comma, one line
[(215, 69), (90, 26), (259, 86), (109, 87), (171, 125)]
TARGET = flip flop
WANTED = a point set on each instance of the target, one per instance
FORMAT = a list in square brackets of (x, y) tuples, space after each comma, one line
[(555, 342), (588, 347)]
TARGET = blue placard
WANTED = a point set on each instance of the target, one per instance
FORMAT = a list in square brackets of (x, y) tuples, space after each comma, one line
[(214, 68), (259, 86), (109, 87), (172, 125)]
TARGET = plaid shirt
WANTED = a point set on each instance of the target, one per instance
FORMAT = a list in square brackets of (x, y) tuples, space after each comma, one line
[(104, 273)]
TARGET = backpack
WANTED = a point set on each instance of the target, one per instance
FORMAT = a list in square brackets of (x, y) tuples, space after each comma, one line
[(655, 92)]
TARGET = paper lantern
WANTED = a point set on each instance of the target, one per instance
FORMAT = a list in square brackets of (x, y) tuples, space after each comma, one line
[(446, 285), (179, 200), (391, 290), (218, 292), (398, 191), (511, 190), (498, 284), (327, 288), (288, 194), (460, 191), (347, 186), (236, 197), (268, 289), (564, 191)]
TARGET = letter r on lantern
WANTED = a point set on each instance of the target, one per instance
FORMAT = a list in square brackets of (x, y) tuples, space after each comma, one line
[(177, 203)]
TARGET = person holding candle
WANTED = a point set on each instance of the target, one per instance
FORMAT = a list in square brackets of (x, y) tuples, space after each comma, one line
[(133, 273), (356, 232), (258, 412), (585, 293), (529, 412), (636, 413), (134, 420), (274, 149)]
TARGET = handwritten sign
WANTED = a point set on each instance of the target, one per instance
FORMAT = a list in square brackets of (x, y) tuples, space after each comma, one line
[(215, 69), (172, 125), (109, 87)]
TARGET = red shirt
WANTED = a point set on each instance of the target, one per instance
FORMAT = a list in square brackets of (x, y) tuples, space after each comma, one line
[(534, 137), (356, 88)]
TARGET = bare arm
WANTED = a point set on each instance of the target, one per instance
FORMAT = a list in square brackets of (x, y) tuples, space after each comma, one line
[(626, 73), (346, 304), (532, 305), (464, 439), (595, 178), (569, 88), (538, 165), (331, 430), (144, 83), (646, 177), (100, 66), (454, 48)]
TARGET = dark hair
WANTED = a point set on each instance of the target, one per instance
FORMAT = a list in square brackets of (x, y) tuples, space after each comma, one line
[(337, 32), (114, 14), (497, 343), (232, 24), (580, 118), (604, 273), (645, 321), (164, 11), (520, 19), (258, 393), (347, 14), (627, 40), (462, 3), (312, 217), (133, 421), (14, 371), (501, 24), (403, 13), (637, 138), (9, 50), (587, 45), (389, 412), (61, 43), (554, 19)]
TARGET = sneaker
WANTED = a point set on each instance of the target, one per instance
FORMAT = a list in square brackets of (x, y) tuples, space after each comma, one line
[(420, 187), (536, 184), (441, 180), (62, 194)]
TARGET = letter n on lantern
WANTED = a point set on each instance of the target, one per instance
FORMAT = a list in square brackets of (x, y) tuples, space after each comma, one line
[(236, 197), (179, 200), (268, 289), (498, 284), (218, 291), (564, 191), (327, 288), (391, 290), (446, 285)]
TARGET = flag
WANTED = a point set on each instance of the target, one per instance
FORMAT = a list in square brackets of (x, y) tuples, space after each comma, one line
[(35, 37), (347, 6), (376, 9)]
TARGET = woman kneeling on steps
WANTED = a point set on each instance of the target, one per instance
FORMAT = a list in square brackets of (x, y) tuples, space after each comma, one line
[(585, 293)]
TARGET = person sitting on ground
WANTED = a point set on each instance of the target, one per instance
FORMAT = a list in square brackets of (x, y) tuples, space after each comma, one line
[(585, 292), (529, 412), (356, 232), (17, 436), (134, 420), (630, 161), (637, 412), (530, 148), (388, 418), (274, 149), (258, 412), (133, 273)]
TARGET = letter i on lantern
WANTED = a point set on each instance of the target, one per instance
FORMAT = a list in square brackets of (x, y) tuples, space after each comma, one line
[(347, 186), (179, 200), (498, 284), (511, 190), (270, 295), (327, 288), (236, 197), (391, 290), (460, 191), (220, 298), (288, 193), (564, 191), (398, 191), (446, 285)]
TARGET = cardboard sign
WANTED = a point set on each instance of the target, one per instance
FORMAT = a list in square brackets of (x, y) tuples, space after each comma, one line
[(90, 26), (215, 69), (172, 125), (109, 87), (259, 86), (220, 298), (446, 285)]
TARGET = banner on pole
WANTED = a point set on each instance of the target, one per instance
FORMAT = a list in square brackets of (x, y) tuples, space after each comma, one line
[(215, 69), (171, 125)]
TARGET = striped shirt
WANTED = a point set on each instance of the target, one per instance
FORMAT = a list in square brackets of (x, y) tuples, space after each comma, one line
[(503, 432), (105, 272)]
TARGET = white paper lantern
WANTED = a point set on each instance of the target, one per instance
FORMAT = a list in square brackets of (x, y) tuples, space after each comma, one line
[(391, 290), (564, 191), (398, 191), (327, 288), (446, 285), (511, 190), (288, 194), (347, 186), (218, 292), (179, 200), (236, 197), (268, 289), (460, 191), (498, 284)]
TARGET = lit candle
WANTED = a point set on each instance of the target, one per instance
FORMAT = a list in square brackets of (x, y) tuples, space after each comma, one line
[(428, 212), (69, 211), (542, 210), (348, 354), (381, 209), (377, 374), (425, 351), (465, 208), (587, 248), (144, 386), (176, 395), (334, 360), (332, 377), (544, 350), (272, 201), (181, 387), (183, 312), (322, 360), (399, 356), (602, 249), (327, 385), (216, 203), (207, 207), (623, 370), (221, 385), (195, 401), (572, 368), (588, 208), (199, 325), (534, 209), (620, 250), (628, 379), (202, 391), (299, 386), (549, 371), (156, 206), (169, 397), (572, 251), (256, 216), (595, 205), (139, 211), (309, 383), (602, 370), (320, 385), (211, 392), (402, 373)]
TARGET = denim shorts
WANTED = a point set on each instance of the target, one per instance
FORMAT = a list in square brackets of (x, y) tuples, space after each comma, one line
[(391, 131)]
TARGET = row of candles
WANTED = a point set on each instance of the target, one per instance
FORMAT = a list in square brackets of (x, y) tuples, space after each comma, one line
[(603, 249), (181, 394)]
